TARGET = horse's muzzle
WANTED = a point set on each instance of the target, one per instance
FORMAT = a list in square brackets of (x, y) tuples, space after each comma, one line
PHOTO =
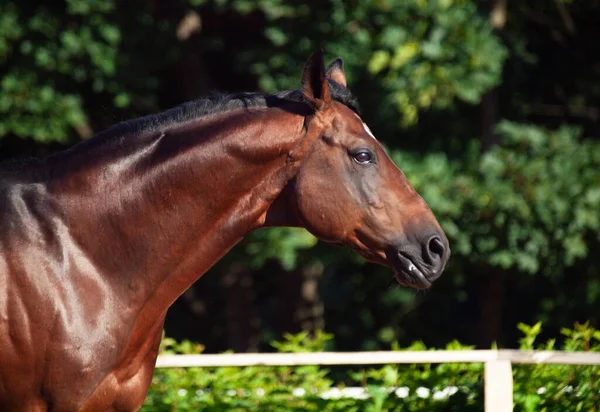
[(419, 264)]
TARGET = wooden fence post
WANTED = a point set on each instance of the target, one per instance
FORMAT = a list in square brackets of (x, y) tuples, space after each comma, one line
[(498, 382)]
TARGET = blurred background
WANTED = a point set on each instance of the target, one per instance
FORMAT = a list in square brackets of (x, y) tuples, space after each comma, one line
[(491, 108)]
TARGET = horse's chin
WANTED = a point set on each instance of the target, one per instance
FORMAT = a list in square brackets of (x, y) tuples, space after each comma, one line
[(407, 272), (415, 279)]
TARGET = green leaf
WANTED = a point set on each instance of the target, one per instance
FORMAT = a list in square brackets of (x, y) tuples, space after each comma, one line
[(378, 61)]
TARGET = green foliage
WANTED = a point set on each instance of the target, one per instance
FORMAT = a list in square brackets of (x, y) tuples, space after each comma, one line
[(232, 388), (558, 387), (417, 54), (309, 388), (422, 64), (443, 387), (302, 342), (60, 59), (282, 244), (55, 56)]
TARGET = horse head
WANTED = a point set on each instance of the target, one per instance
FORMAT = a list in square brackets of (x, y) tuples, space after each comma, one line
[(348, 191)]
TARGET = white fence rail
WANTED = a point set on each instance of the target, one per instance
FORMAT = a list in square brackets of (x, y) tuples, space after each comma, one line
[(497, 376)]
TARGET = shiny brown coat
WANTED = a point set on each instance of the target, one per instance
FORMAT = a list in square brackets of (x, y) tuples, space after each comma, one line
[(97, 242)]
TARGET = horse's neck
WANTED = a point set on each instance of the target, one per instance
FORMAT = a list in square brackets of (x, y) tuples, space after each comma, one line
[(162, 216)]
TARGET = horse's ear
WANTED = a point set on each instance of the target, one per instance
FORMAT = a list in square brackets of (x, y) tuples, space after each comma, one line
[(335, 72), (314, 82)]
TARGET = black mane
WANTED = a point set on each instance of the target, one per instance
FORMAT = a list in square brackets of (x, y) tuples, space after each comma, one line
[(221, 102)]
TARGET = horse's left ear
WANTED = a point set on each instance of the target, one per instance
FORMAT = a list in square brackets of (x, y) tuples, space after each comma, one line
[(335, 72), (314, 82)]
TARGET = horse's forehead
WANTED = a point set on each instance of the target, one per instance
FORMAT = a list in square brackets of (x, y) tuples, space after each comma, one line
[(354, 124), (365, 127)]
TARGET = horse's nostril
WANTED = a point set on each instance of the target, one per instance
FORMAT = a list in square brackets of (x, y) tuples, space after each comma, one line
[(435, 246)]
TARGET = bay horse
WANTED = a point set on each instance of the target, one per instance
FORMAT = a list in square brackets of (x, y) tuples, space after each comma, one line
[(98, 241)]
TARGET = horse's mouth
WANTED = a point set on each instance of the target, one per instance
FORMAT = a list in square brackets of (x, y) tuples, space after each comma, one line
[(407, 272)]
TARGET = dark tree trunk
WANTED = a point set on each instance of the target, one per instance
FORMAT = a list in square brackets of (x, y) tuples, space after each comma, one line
[(489, 119), (242, 316), (492, 298), (300, 304), (492, 288)]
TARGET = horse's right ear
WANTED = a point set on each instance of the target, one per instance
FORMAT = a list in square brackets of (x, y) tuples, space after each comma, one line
[(314, 82)]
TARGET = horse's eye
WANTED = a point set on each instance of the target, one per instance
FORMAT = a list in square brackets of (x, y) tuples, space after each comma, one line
[(362, 157)]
